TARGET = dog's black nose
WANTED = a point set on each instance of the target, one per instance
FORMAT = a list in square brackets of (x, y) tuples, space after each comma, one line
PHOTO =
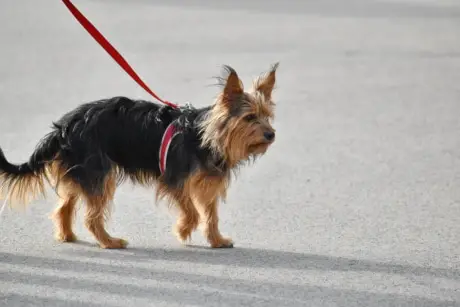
[(269, 135)]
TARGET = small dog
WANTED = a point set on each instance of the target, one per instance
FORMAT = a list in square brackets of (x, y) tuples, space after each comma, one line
[(189, 154)]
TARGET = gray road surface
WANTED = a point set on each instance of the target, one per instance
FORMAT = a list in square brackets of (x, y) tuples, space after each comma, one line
[(357, 203)]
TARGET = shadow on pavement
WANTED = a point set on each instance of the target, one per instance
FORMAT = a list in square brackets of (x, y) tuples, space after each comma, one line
[(28, 300), (261, 258), (206, 290)]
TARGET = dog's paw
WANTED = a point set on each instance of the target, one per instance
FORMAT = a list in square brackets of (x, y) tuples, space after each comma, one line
[(115, 243), (184, 235), (66, 237), (223, 243)]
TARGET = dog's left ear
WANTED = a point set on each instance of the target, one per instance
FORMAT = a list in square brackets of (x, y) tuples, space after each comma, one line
[(266, 84), (232, 83)]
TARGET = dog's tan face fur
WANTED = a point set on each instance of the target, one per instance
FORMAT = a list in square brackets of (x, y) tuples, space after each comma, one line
[(240, 125)]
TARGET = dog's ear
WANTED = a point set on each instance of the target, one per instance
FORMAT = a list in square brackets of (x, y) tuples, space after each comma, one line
[(266, 83), (233, 87)]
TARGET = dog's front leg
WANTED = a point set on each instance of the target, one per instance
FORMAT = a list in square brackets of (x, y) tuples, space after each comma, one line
[(205, 191), (209, 215)]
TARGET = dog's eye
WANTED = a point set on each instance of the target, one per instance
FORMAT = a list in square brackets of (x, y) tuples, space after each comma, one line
[(250, 117)]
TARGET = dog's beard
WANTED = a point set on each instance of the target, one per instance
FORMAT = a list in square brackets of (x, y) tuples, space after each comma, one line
[(258, 148)]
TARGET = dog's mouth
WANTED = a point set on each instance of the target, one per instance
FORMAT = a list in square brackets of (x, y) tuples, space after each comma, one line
[(259, 147)]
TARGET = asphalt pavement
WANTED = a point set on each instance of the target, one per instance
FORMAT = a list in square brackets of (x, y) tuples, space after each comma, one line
[(356, 204)]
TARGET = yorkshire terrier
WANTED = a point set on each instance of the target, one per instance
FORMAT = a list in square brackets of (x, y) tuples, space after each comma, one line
[(189, 154)]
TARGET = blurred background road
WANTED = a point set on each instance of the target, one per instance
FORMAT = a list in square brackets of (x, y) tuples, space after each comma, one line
[(356, 204)]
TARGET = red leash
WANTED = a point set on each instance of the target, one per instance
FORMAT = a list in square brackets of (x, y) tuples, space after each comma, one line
[(111, 50)]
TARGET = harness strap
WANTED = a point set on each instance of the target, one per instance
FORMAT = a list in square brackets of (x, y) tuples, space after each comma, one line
[(111, 50), (170, 132)]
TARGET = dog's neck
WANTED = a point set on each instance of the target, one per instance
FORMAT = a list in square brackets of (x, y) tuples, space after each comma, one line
[(208, 135)]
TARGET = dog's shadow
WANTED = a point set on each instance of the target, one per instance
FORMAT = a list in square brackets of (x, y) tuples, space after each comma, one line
[(264, 258), (199, 288)]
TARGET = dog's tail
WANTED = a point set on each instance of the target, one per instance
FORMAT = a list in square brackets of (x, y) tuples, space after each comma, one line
[(23, 182)]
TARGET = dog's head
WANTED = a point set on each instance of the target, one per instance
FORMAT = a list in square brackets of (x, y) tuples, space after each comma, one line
[(239, 124)]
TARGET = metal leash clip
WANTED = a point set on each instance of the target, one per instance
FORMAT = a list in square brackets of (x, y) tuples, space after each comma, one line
[(187, 106)]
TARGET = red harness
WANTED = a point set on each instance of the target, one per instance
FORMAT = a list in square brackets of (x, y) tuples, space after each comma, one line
[(169, 134), (171, 131)]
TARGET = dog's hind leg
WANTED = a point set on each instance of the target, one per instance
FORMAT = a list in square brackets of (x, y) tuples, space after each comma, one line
[(97, 212), (64, 214)]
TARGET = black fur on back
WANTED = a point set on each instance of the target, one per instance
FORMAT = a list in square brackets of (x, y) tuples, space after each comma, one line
[(127, 133), (96, 137)]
